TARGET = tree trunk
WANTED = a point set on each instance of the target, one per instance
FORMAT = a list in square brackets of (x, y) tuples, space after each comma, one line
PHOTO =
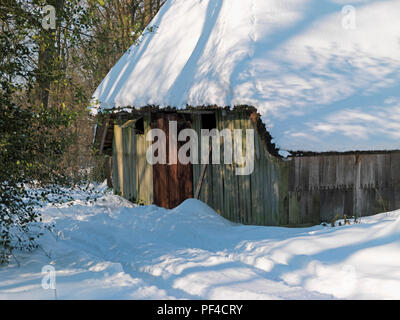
[(48, 53), (148, 13)]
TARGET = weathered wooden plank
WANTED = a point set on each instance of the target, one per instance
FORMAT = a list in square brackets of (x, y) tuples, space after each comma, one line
[(255, 185), (197, 167), (120, 161), (116, 182), (235, 123), (283, 205), (394, 170), (265, 185), (219, 170), (230, 182), (246, 124), (129, 177), (149, 199)]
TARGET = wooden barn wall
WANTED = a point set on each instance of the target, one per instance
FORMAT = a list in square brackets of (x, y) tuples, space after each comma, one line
[(322, 188), (253, 199), (132, 175), (296, 192)]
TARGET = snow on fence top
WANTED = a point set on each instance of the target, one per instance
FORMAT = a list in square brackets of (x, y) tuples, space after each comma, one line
[(324, 74)]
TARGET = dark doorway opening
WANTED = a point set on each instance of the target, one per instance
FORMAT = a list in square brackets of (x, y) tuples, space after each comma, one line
[(208, 121), (139, 126)]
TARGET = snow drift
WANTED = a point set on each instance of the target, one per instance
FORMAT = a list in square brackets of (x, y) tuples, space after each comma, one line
[(115, 250), (323, 76)]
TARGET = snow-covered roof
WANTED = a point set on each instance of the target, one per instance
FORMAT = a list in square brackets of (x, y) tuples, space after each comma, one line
[(324, 75)]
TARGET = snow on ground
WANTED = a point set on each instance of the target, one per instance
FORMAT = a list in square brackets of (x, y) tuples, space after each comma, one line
[(115, 250), (324, 76)]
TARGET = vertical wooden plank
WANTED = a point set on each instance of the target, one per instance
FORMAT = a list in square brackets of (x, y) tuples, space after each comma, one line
[(263, 183), (246, 185), (116, 182), (173, 191), (237, 188), (139, 169), (255, 199), (119, 156), (230, 185), (227, 187), (149, 167), (220, 127), (133, 160), (160, 171), (257, 178), (127, 163), (243, 190), (196, 167), (218, 173), (267, 188)]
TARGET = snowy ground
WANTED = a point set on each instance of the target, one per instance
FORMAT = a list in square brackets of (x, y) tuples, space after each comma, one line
[(114, 250)]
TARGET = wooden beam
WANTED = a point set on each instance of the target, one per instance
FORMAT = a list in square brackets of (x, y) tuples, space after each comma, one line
[(202, 175), (103, 138), (200, 182), (130, 123)]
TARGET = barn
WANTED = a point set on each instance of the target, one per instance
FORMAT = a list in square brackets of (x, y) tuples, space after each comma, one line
[(324, 110)]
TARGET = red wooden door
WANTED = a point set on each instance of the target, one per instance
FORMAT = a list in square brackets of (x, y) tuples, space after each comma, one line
[(172, 183)]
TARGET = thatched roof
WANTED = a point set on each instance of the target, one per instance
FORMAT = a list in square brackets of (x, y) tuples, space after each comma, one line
[(321, 80)]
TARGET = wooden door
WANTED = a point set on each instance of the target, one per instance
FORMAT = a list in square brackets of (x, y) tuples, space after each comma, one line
[(172, 183)]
